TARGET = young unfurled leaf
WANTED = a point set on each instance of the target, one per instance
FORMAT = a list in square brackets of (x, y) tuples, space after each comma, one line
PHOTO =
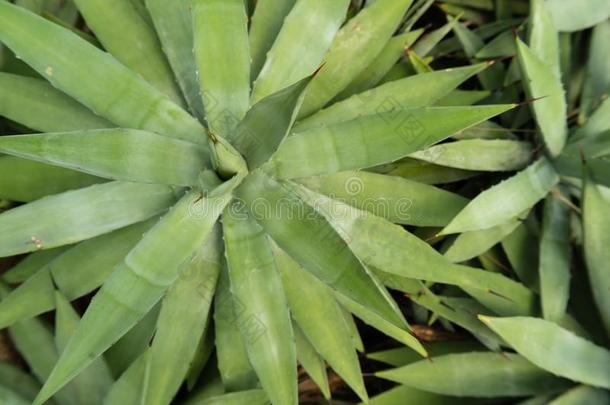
[(120, 154), (372, 139), (79, 215), (263, 316), (477, 375), (506, 200), (555, 349), (267, 123)]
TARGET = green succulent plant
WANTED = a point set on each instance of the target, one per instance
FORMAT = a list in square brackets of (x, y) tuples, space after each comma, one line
[(238, 178)]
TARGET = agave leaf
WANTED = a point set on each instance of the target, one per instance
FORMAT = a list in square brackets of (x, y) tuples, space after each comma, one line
[(267, 123), (404, 394), (132, 344), (597, 81), (477, 375), (319, 19), (582, 395), (97, 80), (471, 244), (595, 222), (31, 264), (555, 349), (400, 334), (506, 200), (542, 82), (95, 259), (479, 154), (202, 355), (222, 55), (288, 219), (10, 397), (463, 97), (34, 341), (353, 330), (30, 180), (490, 79), (235, 370), (521, 248), (181, 322), (251, 397), (501, 46), (411, 92), (442, 306), (554, 267), (311, 361), (403, 356), (38, 105), (431, 39), (120, 154), (147, 58), (382, 64), (372, 140), (570, 16), (79, 215), (91, 385), (418, 64), (174, 25), (21, 383), (543, 36), (267, 21), (398, 200), (423, 172), (34, 297), (392, 249), (327, 332), (262, 316), (355, 47), (127, 390), (138, 283)]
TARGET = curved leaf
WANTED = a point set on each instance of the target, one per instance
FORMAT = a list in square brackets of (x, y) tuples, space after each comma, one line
[(262, 315), (95, 78), (79, 215), (506, 200), (319, 19), (555, 349), (477, 375), (372, 140), (120, 154)]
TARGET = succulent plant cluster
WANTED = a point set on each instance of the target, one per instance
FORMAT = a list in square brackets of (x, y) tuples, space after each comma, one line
[(209, 199)]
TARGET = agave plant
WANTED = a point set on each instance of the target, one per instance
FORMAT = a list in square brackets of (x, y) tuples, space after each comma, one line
[(231, 184)]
